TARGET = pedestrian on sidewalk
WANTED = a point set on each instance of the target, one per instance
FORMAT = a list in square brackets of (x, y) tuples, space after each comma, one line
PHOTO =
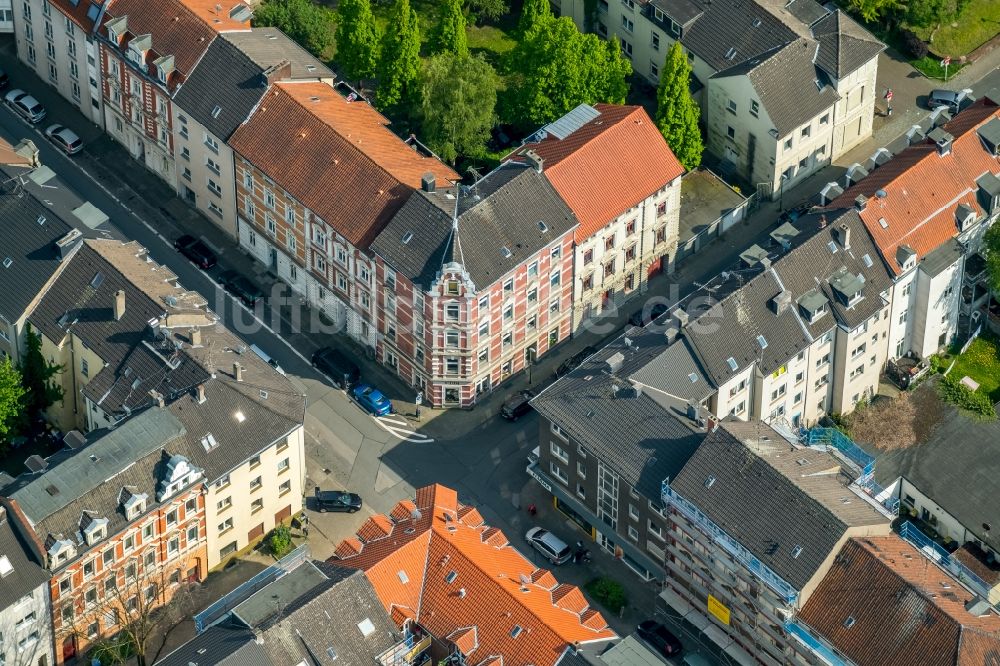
[(888, 101)]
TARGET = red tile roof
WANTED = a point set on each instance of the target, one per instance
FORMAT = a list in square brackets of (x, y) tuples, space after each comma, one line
[(465, 640), (608, 165), (336, 157), (219, 15), (923, 188), (456, 579), (903, 608)]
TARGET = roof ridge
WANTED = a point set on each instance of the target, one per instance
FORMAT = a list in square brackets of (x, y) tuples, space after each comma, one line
[(231, 385)]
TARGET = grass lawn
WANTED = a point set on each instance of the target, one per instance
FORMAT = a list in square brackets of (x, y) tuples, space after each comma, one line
[(975, 26), (981, 361), (930, 66)]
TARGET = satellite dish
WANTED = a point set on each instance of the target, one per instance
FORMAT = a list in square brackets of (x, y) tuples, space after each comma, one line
[(171, 301), (525, 579)]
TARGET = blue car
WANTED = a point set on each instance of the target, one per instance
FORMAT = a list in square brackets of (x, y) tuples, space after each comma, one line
[(372, 399)]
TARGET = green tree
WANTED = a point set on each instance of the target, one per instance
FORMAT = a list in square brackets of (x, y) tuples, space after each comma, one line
[(873, 11), (487, 9), (11, 398), (450, 35), (36, 377), (307, 23), (991, 252), (457, 105), (676, 112), (357, 38), (532, 13), (399, 68), (924, 13)]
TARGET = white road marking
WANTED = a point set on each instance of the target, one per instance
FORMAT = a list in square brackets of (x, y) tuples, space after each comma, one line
[(404, 434)]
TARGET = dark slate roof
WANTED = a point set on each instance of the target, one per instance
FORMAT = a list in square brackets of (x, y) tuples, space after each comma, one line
[(770, 496), (941, 258), (677, 373), (223, 89), (627, 429), (958, 467), (681, 12), (502, 210), (27, 573), (30, 246), (730, 24), (844, 46), (269, 46), (221, 645), (807, 11)]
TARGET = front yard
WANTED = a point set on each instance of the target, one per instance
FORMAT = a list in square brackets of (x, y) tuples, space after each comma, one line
[(981, 362), (977, 24)]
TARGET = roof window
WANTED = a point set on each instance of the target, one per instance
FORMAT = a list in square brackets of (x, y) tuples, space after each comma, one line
[(450, 578)]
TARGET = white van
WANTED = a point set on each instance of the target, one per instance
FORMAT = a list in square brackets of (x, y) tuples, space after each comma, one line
[(267, 359)]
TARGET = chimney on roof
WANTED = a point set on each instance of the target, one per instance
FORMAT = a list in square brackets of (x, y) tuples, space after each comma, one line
[(680, 318), (68, 243), (671, 334), (279, 71), (201, 393), (195, 337), (861, 202), (781, 302), (428, 182), (119, 304), (822, 221), (238, 371), (534, 159), (844, 236), (942, 140), (157, 397)]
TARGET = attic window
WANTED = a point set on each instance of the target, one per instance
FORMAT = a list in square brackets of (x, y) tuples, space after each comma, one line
[(849, 622), (209, 442), (450, 578), (403, 578), (6, 568), (868, 260), (7, 262), (710, 481), (366, 627), (407, 237), (516, 631), (732, 364), (216, 111), (796, 551), (542, 226), (730, 54), (505, 251), (762, 341)]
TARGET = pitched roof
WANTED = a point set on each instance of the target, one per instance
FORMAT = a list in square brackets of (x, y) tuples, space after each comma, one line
[(923, 188), (268, 46), (740, 29), (441, 566), (512, 208), (788, 505), (26, 571), (221, 17), (902, 609), (336, 157), (606, 165), (844, 46), (224, 644)]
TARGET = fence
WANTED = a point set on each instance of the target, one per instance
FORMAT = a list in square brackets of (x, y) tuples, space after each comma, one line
[(819, 648), (933, 551), (865, 462)]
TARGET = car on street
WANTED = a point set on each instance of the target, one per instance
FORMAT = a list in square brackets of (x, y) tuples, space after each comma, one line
[(196, 251), (548, 544), (25, 106), (647, 314), (336, 500), (570, 364), (65, 138), (949, 98), (344, 372), (517, 405), (659, 638), (241, 287), (372, 400), (4, 79), (264, 356)]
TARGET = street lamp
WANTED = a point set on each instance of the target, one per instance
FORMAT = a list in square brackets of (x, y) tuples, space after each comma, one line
[(781, 191)]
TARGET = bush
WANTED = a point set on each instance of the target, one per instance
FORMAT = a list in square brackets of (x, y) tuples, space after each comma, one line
[(915, 47), (280, 541), (609, 593), (977, 404)]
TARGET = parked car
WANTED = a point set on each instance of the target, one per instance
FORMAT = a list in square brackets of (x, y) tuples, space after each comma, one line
[(336, 500), (372, 400), (65, 138), (343, 371), (570, 364), (949, 98), (660, 638), (4, 79), (196, 251), (25, 106), (241, 287), (646, 315), (264, 356), (548, 544), (517, 405)]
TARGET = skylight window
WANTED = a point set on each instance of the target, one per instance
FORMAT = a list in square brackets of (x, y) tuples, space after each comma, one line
[(403, 578), (542, 226), (7, 262), (882, 223), (693, 377), (6, 567), (407, 237), (732, 364), (849, 622), (450, 578), (366, 627), (833, 247), (505, 251), (516, 631), (762, 341), (796, 551), (868, 260), (216, 111), (730, 54), (710, 481)]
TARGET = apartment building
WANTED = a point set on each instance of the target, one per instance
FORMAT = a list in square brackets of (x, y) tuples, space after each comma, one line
[(613, 169), (121, 521), (318, 176), (605, 447), (225, 87), (474, 283), (784, 87), (741, 562), (55, 39), (25, 611), (438, 567), (131, 339)]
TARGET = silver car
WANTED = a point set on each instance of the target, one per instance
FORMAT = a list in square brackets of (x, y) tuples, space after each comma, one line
[(65, 138), (548, 544), (25, 106)]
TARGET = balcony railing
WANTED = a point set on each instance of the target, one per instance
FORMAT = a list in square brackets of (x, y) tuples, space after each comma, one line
[(831, 437), (784, 590), (405, 652), (944, 559), (818, 647)]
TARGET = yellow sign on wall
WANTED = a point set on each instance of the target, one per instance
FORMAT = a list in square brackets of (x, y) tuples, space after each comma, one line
[(718, 609)]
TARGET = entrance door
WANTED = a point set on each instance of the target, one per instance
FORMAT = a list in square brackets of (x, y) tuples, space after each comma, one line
[(69, 648), (606, 543), (655, 267), (274, 259)]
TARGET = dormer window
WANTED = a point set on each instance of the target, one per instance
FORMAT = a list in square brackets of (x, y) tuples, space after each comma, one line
[(135, 56), (179, 474), (133, 504), (813, 305), (93, 528), (847, 286), (61, 551)]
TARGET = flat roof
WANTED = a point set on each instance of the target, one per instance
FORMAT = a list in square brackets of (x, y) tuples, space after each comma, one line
[(704, 199)]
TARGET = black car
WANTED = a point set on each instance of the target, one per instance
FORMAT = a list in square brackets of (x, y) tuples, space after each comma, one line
[(241, 287), (647, 314), (570, 364), (336, 500), (196, 251), (343, 371), (660, 638), (517, 405)]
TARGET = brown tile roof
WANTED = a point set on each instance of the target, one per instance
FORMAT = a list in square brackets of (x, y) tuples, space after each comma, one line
[(455, 578), (923, 188), (608, 165), (222, 19), (336, 157), (465, 640), (904, 608), (975, 559)]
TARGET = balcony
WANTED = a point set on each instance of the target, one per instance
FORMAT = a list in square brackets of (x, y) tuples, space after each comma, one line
[(838, 443), (818, 647), (941, 557), (410, 650)]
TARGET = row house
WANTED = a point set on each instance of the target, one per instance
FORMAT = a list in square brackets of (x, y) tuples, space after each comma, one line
[(612, 167), (55, 38), (474, 283), (318, 177), (132, 339), (25, 610), (121, 521), (741, 563), (784, 88), (222, 91)]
